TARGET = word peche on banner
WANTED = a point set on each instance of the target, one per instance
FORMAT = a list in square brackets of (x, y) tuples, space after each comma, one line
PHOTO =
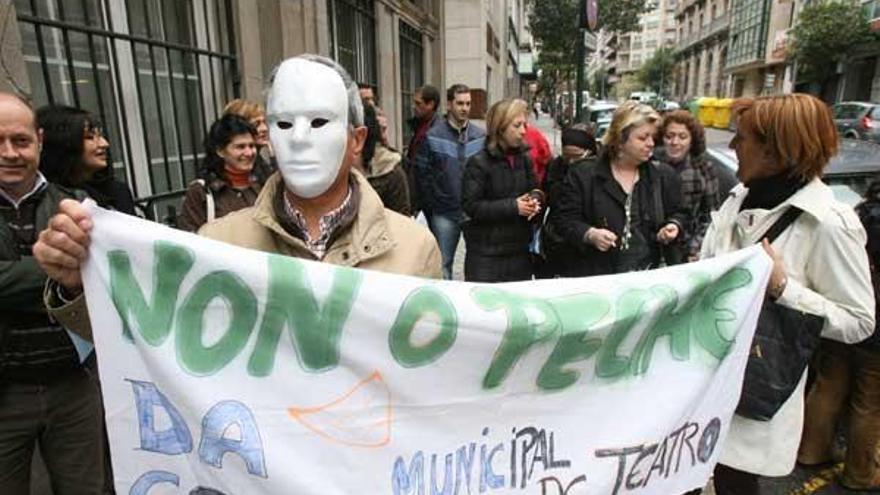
[(315, 327)]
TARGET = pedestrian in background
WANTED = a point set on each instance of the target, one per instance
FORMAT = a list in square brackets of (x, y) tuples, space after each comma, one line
[(703, 185), (448, 144), (226, 180), (540, 152), (848, 384), (499, 200), (76, 155), (578, 145), (426, 105), (382, 166), (622, 209), (265, 164), (783, 144)]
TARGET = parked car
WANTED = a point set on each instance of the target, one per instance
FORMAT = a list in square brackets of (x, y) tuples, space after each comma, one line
[(850, 172), (598, 116), (858, 120), (643, 96)]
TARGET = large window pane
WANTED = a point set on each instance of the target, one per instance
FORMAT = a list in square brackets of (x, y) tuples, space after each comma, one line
[(411, 71), (353, 38), (154, 96)]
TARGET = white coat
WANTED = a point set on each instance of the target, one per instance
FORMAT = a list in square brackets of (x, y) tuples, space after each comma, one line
[(828, 275)]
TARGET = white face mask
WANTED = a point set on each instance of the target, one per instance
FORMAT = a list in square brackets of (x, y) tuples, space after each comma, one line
[(307, 114)]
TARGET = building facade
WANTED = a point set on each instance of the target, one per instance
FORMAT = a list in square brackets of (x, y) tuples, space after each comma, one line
[(484, 39), (702, 52), (158, 72), (657, 29)]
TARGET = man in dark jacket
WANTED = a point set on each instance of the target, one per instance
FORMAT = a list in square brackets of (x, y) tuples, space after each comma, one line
[(439, 164), (426, 101), (46, 394)]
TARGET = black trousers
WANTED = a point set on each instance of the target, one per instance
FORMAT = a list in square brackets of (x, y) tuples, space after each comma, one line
[(730, 481), (65, 420)]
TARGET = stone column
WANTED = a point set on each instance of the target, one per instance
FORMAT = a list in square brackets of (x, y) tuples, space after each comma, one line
[(13, 72), (703, 72), (717, 68), (306, 27), (250, 58)]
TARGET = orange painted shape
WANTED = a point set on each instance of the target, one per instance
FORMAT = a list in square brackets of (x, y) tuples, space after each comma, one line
[(361, 417)]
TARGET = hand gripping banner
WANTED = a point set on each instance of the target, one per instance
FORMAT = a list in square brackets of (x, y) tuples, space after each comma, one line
[(232, 371)]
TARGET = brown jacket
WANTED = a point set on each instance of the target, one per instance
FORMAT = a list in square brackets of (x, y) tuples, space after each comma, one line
[(194, 211), (387, 177), (379, 239)]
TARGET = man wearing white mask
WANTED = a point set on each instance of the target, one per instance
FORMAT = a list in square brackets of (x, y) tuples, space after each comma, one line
[(316, 207)]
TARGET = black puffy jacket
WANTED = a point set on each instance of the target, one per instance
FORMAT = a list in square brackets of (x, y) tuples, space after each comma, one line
[(590, 197), (490, 185)]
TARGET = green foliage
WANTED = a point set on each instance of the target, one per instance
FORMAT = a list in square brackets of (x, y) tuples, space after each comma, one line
[(656, 72), (825, 34), (627, 84), (554, 25)]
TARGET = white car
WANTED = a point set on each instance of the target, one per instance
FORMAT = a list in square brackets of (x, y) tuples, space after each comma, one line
[(598, 116)]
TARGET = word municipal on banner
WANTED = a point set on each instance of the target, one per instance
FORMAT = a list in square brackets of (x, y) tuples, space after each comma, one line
[(228, 371)]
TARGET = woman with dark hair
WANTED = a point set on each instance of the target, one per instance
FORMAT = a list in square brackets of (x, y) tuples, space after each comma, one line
[(226, 180), (75, 154), (783, 144), (703, 186)]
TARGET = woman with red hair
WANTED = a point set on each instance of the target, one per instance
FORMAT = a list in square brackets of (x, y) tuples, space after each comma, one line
[(783, 144)]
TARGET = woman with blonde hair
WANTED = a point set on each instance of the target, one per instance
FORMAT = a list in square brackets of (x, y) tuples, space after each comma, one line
[(783, 144), (499, 199), (621, 209)]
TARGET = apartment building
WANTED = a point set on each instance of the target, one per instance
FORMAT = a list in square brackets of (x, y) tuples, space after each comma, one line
[(702, 52), (484, 42), (657, 29), (158, 72)]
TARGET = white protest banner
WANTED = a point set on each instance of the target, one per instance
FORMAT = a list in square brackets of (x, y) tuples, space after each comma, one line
[(238, 372)]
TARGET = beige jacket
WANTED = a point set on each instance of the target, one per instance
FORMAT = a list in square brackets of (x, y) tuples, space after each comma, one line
[(378, 239), (828, 275)]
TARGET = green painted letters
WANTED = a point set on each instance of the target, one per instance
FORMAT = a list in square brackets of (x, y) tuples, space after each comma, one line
[(711, 313), (419, 304), (242, 305), (630, 307), (521, 333), (315, 329), (154, 321), (577, 313)]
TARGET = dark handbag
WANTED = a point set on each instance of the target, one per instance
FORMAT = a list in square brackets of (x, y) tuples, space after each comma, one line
[(784, 342)]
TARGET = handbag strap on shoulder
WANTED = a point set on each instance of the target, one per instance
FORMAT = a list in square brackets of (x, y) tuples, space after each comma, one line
[(782, 223)]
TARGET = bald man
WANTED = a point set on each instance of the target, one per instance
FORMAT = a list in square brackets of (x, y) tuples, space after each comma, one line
[(47, 396)]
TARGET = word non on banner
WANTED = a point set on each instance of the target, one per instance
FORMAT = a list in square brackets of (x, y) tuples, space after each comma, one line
[(230, 371)]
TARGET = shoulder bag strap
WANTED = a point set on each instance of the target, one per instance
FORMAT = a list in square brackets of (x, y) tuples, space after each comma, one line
[(781, 224), (210, 209)]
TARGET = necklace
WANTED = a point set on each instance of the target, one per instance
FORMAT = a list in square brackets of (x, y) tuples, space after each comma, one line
[(626, 179)]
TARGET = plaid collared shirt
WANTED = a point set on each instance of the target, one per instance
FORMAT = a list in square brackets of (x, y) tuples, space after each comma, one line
[(329, 224)]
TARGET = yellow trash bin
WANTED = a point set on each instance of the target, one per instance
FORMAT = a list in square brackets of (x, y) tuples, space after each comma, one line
[(722, 113), (707, 111)]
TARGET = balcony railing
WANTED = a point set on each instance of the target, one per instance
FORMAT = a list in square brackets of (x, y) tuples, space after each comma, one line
[(717, 25)]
